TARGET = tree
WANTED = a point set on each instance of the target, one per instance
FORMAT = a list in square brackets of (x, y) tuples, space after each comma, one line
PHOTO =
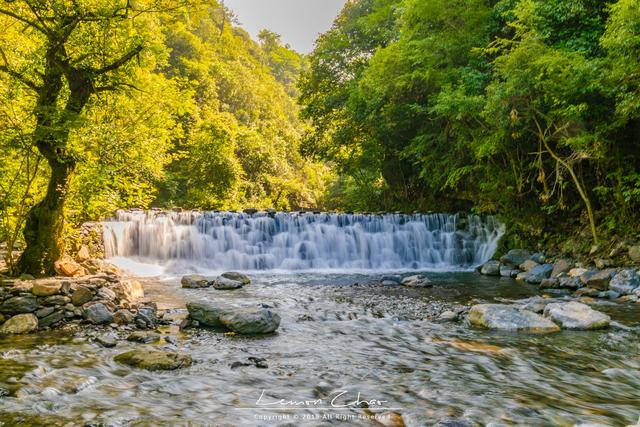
[(77, 49)]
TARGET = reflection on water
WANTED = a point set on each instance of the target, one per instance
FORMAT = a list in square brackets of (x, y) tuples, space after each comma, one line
[(336, 338)]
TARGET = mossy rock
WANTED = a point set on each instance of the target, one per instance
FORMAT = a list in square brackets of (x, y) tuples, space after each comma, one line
[(154, 360)]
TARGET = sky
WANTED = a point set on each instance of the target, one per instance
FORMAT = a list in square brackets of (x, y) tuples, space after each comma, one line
[(298, 21)]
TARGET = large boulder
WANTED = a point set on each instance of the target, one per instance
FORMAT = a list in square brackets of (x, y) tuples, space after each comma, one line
[(597, 279), (575, 315), (539, 273), (207, 314), (222, 283), (46, 288), (194, 281), (509, 318), (515, 257), (490, 268), (251, 321), (19, 304), (154, 360), (241, 320), (98, 314), (20, 324), (238, 277), (625, 282)]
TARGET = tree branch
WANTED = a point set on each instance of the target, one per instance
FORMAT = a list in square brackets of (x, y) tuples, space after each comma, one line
[(120, 61), (24, 20)]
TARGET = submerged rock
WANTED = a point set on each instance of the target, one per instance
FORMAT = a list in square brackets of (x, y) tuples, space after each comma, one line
[(575, 315), (238, 277), (20, 324), (222, 283), (509, 318), (154, 360), (144, 337), (194, 281)]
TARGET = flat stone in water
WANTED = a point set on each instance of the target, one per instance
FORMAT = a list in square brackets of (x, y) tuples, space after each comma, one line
[(575, 315), (251, 321), (194, 281), (509, 318), (154, 360), (238, 277), (144, 337)]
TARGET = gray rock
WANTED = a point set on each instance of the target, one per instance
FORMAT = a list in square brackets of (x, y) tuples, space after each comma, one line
[(625, 282), (515, 257), (81, 296), (569, 282), (154, 360), (528, 265), (416, 281), (194, 281), (20, 324), (539, 273), (575, 315), (57, 300), (609, 294), (222, 283), (509, 318), (490, 268), (550, 283), (51, 319), (561, 266), (447, 316), (238, 277), (535, 304), (106, 294), (391, 280), (20, 304), (251, 320), (634, 254), (98, 314), (207, 314), (597, 279), (538, 257), (454, 422), (44, 312), (601, 264)]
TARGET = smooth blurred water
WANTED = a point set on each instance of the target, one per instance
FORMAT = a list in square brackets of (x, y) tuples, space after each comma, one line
[(336, 336), (218, 241)]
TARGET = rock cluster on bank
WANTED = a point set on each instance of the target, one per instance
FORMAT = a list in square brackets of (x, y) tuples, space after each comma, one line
[(600, 280), (100, 299)]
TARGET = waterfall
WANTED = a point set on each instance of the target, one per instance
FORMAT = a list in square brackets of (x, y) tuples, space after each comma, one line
[(303, 240)]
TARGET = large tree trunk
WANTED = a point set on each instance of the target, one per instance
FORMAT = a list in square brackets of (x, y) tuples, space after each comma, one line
[(43, 231)]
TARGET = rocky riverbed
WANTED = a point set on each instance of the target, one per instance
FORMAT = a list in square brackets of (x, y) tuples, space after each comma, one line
[(418, 349)]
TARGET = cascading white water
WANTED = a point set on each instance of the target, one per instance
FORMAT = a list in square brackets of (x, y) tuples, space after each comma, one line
[(302, 241)]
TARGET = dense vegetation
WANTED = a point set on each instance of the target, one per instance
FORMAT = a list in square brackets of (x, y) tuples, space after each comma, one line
[(137, 103), (526, 108)]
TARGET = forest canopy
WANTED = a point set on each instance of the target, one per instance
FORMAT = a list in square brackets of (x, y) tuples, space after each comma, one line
[(524, 108)]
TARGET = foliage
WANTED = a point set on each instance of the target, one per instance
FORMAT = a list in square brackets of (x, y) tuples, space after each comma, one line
[(526, 108)]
